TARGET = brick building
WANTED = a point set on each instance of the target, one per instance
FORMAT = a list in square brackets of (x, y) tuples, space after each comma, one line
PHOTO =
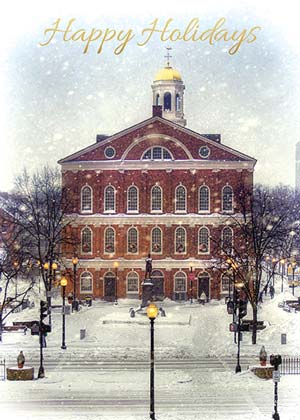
[(156, 187)]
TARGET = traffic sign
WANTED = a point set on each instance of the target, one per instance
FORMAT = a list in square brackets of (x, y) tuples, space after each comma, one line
[(191, 276)]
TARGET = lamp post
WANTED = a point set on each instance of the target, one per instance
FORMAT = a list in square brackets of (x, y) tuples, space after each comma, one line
[(293, 268), (191, 277), (152, 312), (63, 283), (50, 269), (74, 303), (116, 265), (274, 261), (238, 286), (282, 262)]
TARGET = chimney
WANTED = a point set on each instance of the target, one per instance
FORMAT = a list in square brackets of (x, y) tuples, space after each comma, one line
[(157, 111)]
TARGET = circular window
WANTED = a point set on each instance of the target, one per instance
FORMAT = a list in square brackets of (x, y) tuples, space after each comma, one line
[(204, 151), (109, 152)]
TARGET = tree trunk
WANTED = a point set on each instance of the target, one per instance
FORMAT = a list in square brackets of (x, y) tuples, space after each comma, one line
[(254, 331), (1, 326)]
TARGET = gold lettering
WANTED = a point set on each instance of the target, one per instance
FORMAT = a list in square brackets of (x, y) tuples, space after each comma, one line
[(126, 38)]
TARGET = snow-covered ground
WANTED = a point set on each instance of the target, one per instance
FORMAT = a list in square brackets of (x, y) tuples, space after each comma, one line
[(189, 332)]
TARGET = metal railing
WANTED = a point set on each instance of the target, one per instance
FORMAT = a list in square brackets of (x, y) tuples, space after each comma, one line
[(290, 366)]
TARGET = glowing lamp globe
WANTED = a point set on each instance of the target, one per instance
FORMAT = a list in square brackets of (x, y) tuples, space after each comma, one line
[(63, 282), (152, 311)]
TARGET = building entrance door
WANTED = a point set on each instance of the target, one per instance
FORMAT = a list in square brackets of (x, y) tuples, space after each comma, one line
[(203, 286), (110, 287)]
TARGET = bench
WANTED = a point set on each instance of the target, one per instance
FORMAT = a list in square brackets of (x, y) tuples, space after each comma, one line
[(260, 324), (15, 328)]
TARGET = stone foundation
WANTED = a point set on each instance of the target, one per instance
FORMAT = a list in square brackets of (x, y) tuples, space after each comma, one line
[(20, 374)]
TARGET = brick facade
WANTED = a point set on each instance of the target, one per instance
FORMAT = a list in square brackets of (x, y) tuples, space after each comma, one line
[(91, 172)]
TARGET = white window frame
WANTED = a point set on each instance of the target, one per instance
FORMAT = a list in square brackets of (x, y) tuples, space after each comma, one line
[(137, 241), (85, 273), (105, 191), (161, 199), (199, 195), (224, 292), (81, 242), (185, 241), (232, 200), (137, 199), (138, 283), (162, 154), (105, 230), (183, 275), (161, 241), (185, 199), (81, 199), (208, 247)]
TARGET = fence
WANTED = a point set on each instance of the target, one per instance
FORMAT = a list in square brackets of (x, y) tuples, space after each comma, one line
[(290, 366), (2, 370)]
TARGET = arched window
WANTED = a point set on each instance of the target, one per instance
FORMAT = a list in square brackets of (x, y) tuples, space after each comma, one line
[(180, 282), (156, 241), (225, 283), (109, 240), (86, 240), (132, 199), (132, 241), (157, 279), (156, 199), (132, 282), (86, 199), (157, 99), (227, 198), (178, 100), (203, 240), (203, 198), (180, 199), (157, 153), (167, 101), (227, 240), (180, 240), (109, 199), (86, 282)]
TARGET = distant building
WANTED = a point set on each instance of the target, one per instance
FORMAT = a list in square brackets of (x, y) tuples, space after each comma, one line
[(156, 187)]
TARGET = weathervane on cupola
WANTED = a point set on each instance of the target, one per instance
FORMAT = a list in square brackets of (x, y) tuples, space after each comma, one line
[(168, 90)]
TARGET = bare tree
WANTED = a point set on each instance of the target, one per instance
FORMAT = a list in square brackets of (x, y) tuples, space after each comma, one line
[(16, 279), (262, 224), (38, 207)]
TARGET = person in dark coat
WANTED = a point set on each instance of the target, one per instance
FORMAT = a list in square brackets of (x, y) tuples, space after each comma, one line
[(272, 291)]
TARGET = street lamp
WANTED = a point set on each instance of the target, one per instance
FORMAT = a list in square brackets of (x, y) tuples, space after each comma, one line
[(152, 312), (239, 285), (282, 262), (191, 277), (74, 303), (63, 283), (116, 265), (50, 269)]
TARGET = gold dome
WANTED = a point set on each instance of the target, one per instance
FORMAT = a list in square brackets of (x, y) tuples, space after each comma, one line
[(168, 73)]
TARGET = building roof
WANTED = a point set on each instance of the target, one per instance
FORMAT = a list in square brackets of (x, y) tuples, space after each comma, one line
[(168, 73)]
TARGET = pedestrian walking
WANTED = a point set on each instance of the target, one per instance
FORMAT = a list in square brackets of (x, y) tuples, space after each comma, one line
[(272, 291)]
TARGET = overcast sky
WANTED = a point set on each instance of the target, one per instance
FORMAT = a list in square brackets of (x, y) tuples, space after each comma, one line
[(55, 99)]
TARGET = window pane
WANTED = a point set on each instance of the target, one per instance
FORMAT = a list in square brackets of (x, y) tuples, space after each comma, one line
[(109, 240), (227, 239), (132, 282), (132, 199), (203, 199), (156, 198), (227, 198), (86, 282), (157, 152), (86, 240), (203, 240), (180, 283), (180, 202), (156, 240), (86, 199), (132, 245), (166, 154), (109, 199), (225, 283), (180, 240), (147, 155)]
